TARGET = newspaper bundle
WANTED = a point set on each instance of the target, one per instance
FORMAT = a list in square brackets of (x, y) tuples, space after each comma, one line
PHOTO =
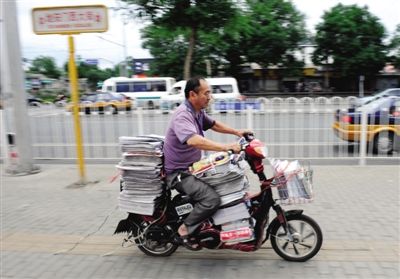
[(225, 173), (141, 169), (227, 178)]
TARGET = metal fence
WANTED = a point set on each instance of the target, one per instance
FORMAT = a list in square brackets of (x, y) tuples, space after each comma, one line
[(291, 128)]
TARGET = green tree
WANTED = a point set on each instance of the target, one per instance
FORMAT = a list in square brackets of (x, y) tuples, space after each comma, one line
[(352, 39), (92, 73), (276, 29), (45, 65), (187, 16), (229, 46), (168, 47), (226, 47)]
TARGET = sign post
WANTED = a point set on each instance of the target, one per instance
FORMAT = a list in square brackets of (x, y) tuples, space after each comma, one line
[(71, 20), (73, 80)]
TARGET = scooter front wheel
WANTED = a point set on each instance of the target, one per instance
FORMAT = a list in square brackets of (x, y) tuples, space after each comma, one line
[(303, 241)]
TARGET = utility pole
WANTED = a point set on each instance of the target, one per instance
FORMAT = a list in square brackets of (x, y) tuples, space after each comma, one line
[(208, 67), (123, 66), (124, 22), (12, 82), (361, 86)]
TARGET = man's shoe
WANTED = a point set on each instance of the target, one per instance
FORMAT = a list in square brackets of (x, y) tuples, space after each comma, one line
[(188, 242)]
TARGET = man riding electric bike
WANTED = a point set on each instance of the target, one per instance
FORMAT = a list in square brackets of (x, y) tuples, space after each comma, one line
[(213, 208), (182, 147)]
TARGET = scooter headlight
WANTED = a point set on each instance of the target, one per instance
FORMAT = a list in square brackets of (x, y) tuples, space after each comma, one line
[(261, 151), (257, 149)]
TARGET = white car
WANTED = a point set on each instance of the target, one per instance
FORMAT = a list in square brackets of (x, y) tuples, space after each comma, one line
[(386, 93), (223, 89)]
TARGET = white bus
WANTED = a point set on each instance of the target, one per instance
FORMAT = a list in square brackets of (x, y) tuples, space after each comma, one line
[(224, 89), (145, 92)]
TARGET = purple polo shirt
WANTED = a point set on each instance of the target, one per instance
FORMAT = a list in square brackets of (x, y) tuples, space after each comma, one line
[(185, 123)]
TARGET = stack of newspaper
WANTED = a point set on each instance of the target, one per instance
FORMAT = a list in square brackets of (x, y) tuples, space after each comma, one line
[(227, 178), (141, 168)]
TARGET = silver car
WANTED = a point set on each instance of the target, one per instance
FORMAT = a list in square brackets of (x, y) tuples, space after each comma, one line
[(386, 93)]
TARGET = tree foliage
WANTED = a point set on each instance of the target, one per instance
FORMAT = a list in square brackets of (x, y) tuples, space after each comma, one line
[(352, 39), (168, 47), (229, 33), (276, 30), (45, 65), (219, 48), (244, 36), (226, 47), (187, 16), (92, 73)]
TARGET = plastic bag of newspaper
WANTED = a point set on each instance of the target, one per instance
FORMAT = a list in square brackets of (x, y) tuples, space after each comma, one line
[(293, 181)]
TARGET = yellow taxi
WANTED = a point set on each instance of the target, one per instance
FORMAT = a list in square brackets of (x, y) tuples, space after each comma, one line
[(383, 124), (103, 102)]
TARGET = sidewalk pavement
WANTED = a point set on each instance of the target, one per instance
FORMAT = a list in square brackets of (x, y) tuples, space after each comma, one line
[(50, 228)]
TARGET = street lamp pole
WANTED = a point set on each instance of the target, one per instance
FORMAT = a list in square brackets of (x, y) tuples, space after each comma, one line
[(208, 67), (123, 66), (125, 72)]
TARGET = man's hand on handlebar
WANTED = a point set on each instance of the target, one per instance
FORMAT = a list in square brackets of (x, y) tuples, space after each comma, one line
[(245, 137), (234, 147), (243, 132)]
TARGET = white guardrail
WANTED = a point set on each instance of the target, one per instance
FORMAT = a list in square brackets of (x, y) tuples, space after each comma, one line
[(291, 128)]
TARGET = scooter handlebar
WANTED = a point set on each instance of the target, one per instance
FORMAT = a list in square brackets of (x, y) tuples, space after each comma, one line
[(248, 136)]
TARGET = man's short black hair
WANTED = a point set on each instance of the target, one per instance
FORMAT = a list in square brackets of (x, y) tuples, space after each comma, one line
[(192, 84)]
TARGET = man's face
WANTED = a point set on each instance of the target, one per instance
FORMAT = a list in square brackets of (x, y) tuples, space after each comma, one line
[(202, 97)]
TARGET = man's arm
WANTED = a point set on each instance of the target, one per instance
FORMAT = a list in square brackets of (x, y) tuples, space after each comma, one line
[(209, 145), (225, 129)]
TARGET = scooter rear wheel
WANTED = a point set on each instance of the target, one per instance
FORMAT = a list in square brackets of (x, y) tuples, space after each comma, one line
[(151, 248), (154, 246), (306, 239)]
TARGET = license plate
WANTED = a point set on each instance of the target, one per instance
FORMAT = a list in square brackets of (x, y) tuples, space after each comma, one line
[(184, 209), (236, 235)]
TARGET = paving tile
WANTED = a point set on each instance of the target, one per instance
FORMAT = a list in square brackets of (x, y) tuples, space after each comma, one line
[(52, 231)]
